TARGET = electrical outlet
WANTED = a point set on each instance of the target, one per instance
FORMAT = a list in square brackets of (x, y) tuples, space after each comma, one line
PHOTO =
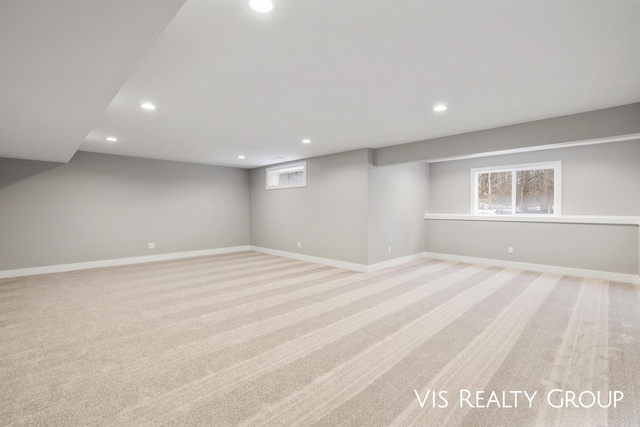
[(151, 245), (510, 249), (299, 244), (389, 249)]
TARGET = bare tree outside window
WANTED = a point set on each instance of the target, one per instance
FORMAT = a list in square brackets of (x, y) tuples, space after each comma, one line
[(495, 192), (291, 179), (286, 176), (517, 190), (535, 191)]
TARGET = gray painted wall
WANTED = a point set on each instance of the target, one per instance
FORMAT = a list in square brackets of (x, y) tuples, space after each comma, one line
[(328, 216), (596, 180), (608, 122), (610, 248), (100, 207), (398, 199)]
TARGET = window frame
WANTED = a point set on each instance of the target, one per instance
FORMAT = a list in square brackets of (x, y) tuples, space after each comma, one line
[(557, 187), (281, 169)]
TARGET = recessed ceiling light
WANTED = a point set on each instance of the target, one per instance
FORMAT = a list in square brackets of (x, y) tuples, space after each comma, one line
[(306, 141), (262, 6), (112, 139), (148, 106), (440, 107), (241, 156)]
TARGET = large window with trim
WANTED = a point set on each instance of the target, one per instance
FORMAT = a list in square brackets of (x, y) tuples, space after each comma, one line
[(530, 189), (287, 176)]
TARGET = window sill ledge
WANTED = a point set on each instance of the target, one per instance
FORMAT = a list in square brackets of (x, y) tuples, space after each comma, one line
[(560, 219)]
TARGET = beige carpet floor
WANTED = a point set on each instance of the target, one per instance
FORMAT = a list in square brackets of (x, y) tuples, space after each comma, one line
[(253, 339)]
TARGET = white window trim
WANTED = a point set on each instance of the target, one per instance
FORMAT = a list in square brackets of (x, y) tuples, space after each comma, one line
[(283, 169), (564, 219), (557, 193)]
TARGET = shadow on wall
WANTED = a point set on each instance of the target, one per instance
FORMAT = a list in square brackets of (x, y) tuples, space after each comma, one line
[(15, 170)]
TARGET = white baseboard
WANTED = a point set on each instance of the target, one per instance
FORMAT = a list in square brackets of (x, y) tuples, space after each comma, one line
[(116, 262), (178, 255), (362, 268), (318, 260), (396, 261), (604, 275)]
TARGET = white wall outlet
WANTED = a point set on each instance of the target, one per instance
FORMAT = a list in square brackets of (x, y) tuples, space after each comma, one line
[(151, 245), (299, 244), (510, 249), (389, 249)]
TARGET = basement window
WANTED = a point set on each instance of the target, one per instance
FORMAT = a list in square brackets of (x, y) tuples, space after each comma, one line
[(287, 176), (531, 189)]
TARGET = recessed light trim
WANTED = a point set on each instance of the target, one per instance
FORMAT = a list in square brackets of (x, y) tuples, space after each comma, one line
[(112, 139), (148, 106), (306, 141), (261, 6), (439, 108)]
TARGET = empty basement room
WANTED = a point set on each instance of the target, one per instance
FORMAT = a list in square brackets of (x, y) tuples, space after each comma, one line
[(327, 213)]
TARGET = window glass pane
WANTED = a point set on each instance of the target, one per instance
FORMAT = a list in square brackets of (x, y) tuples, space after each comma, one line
[(292, 178), (287, 176), (535, 191), (273, 178), (494, 193)]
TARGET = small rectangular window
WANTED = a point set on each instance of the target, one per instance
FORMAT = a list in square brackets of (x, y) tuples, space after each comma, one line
[(532, 189), (287, 176)]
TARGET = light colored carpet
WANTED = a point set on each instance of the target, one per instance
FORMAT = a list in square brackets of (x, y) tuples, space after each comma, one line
[(254, 339)]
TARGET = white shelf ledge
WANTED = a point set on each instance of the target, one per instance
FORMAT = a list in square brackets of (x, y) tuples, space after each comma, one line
[(560, 219)]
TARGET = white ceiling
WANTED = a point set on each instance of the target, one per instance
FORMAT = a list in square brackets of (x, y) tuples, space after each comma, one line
[(346, 74), (62, 62)]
